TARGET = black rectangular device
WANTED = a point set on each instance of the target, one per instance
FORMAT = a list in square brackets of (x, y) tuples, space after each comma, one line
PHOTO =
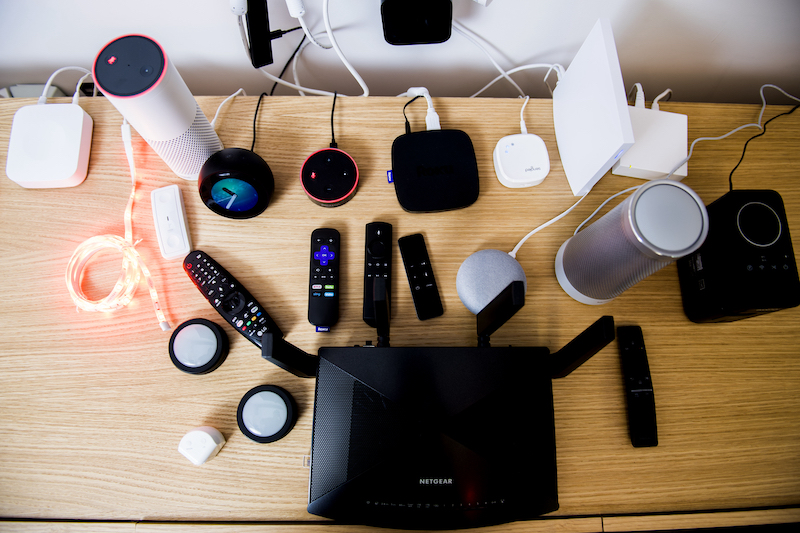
[(439, 437), (429, 437), (746, 267)]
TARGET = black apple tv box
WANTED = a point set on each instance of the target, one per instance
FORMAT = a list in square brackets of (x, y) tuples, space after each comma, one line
[(434, 170)]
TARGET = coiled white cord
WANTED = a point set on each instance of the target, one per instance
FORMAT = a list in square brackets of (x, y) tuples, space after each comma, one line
[(133, 267)]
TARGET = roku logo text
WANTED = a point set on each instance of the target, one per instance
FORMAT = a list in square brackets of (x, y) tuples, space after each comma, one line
[(434, 171)]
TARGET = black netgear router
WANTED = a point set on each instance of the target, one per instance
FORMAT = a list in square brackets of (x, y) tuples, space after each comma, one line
[(436, 438)]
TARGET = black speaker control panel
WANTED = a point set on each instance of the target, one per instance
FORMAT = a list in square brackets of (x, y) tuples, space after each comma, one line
[(747, 266)]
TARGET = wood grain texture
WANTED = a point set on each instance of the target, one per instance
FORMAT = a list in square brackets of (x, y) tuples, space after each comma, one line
[(92, 410)]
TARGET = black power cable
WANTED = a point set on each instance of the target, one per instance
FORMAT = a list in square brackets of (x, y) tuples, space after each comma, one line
[(763, 131)]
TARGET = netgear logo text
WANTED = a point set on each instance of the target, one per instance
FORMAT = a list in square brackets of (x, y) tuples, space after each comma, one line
[(435, 481)]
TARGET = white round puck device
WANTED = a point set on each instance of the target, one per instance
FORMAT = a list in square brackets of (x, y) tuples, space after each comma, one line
[(198, 346), (266, 413)]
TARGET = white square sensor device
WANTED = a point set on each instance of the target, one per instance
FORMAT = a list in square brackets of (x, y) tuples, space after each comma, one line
[(49, 146), (661, 139), (590, 111)]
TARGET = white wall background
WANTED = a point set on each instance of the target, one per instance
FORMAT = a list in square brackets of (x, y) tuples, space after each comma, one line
[(705, 50)]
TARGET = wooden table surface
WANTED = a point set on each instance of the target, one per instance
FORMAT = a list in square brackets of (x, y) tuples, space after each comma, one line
[(92, 409)]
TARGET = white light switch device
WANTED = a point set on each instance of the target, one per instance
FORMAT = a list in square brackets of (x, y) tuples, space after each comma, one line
[(169, 215)]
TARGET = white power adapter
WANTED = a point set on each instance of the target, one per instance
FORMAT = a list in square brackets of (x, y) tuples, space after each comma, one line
[(49, 146), (661, 140)]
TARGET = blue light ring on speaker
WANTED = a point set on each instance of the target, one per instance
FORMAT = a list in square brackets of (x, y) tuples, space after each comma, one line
[(236, 183)]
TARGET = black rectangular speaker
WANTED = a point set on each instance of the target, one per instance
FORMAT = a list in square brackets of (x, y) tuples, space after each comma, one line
[(433, 438), (746, 266)]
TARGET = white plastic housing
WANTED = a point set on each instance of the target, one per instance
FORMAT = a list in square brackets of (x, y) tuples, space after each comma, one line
[(590, 111), (201, 444), (661, 139), (49, 146)]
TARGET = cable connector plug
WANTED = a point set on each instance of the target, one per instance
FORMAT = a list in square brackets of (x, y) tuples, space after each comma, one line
[(431, 118)]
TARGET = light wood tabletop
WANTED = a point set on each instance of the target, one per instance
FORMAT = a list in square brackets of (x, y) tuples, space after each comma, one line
[(92, 409)]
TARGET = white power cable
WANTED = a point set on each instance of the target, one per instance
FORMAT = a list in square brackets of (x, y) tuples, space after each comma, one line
[(311, 38), (755, 124), (513, 253), (327, 19), (461, 30), (216, 115), (522, 127), (550, 67), (654, 105), (590, 217), (296, 60), (43, 97)]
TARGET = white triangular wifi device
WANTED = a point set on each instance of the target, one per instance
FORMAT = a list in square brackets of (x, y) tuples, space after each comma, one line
[(590, 111)]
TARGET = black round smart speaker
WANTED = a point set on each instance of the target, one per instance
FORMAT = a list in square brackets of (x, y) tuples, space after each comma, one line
[(236, 183), (329, 177)]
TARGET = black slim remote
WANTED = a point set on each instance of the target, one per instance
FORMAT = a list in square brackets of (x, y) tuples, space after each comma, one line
[(377, 264), (324, 278), (638, 387), (424, 291), (229, 297)]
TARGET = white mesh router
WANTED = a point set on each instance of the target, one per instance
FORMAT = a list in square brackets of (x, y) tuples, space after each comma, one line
[(590, 111)]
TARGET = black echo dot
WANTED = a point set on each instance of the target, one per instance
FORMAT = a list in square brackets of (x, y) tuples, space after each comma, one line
[(198, 346), (329, 177), (236, 183), (266, 413)]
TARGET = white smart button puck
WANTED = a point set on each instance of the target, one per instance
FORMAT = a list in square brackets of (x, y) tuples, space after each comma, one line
[(266, 413), (198, 346)]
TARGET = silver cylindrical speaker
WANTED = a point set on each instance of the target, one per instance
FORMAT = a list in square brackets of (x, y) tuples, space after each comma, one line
[(660, 222), (138, 78)]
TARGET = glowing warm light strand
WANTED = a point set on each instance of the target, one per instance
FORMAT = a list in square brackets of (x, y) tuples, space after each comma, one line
[(133, 267)]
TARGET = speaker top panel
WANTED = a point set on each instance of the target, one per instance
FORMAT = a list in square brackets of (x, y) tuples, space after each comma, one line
[(129, 66)]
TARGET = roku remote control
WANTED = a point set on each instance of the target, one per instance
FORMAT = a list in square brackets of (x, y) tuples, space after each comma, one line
[(324, 279), (638, 387), (425, 293), (229, 297), (377, 264)]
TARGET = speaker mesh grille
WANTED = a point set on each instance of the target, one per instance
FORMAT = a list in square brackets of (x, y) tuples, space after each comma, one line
[(355, 429), (186, 154), (600, 261), (329, 448)]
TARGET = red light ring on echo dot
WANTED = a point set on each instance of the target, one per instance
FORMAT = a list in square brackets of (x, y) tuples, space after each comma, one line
[(329, 177)]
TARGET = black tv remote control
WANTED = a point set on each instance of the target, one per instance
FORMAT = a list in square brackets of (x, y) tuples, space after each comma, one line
[(324, 280), (229, 297), (377, 264), (638, 387), (424, 291)]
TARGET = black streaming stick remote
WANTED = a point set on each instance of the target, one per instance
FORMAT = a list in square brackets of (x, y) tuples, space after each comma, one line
[(324, 280), (638, 387), (377, 264), (424, 291), (229, 297)]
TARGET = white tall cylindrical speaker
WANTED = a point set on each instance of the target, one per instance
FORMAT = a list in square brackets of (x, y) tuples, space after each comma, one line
[(660, 222), (137, 77)]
